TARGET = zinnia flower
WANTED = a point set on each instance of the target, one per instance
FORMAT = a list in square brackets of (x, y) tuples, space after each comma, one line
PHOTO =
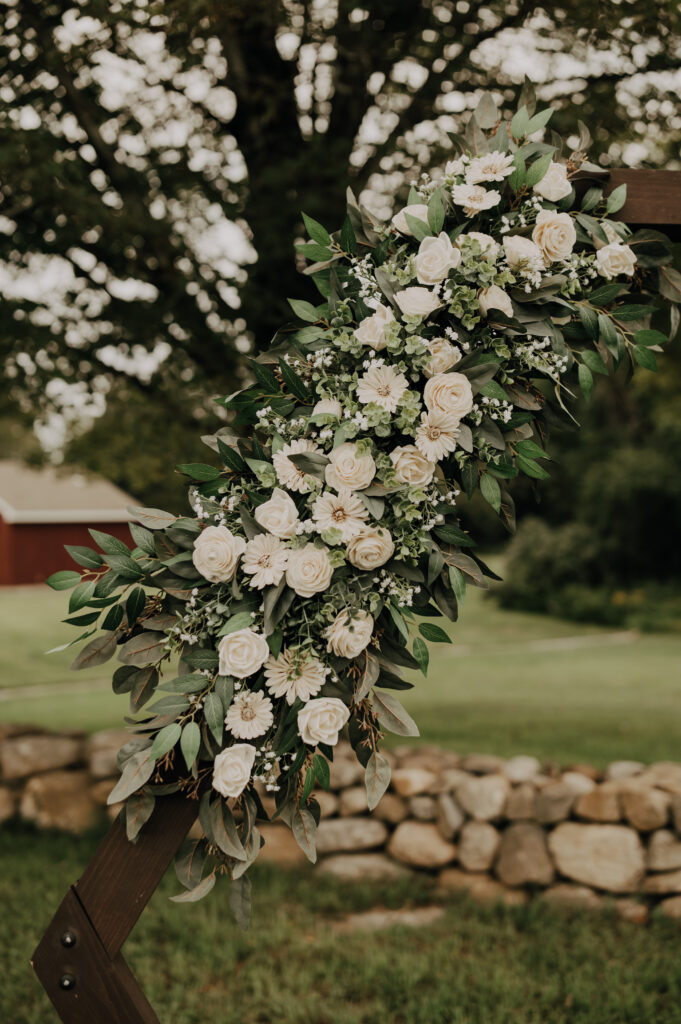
[(383, 386), (287, 472), (474, 198), (265, 560), (490, 167), (436, 437), (294, 675), (343, 511), (249, 715)]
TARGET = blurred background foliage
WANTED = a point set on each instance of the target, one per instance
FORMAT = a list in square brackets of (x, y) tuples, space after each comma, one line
[(154, 160)]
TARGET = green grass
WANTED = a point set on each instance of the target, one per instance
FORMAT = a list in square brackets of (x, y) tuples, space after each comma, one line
[(491, 691), (477, 965)]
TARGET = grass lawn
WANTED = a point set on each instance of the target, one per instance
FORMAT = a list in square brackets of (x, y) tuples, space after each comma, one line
[(510, 683), (476, 965)]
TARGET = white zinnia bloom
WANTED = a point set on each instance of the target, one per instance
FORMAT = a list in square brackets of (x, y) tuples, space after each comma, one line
[(294, 676), (242, 653), (490, 167), (232, 769), (411, 467), (371, 331), (349, 469), (309, 570), (343, 511), (383, 386), (349, 633), (454, 168), (474, 198), (287, 472), (250, 715), (328, 407), (417, 301), (417, 210), (265, 560), (436, 437), (279, 515)]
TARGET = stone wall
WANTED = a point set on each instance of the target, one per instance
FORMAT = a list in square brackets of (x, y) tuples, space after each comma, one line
[(498, 828)]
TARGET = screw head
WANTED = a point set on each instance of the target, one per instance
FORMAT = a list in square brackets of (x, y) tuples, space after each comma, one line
[(68, 939), (67, 982)]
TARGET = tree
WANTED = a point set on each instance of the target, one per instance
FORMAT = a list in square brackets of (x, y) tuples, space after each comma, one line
[(149, 151)]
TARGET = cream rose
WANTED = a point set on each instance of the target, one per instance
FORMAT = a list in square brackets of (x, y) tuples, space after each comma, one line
[(442, 356), (436, 257), (371, 330), (217, 552), (371, 548), (279, 515), (555, 235), (554, 185), (309, 570), (349, 469), (411, 467), (615, 259), (349, 633), (417, 210), (328, 407), (242, 653), (417, 301), (232, 769), (450, 393), (495, 297), (321, 720), (521, 250)]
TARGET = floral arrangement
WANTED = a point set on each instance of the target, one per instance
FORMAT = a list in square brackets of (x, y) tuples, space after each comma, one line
[(321, 550)]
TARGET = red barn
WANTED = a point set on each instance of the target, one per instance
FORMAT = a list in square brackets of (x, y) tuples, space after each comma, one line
[(43, 509)]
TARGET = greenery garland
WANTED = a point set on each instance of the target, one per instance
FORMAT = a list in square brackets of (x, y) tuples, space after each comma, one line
[(320, 552)]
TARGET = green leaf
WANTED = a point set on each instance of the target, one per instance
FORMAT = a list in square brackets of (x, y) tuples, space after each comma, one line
[(586, 380), (421, 654), (152, 518), (293, 382), (321, 770), (531, 450), (201, 658), (240, 901), (633, 312), (517, 178), (644, 357), (589, 319), (110, 545), (304, 310), (143, 649), (591, 198), (316, 253), (347, 237), (142, 538), (435, 634), (593, 361), (537, 170), (189, 683), (198, 892), (199, 471), (316, 231), (392, 716), (242, 620), (138, 809), (436, 212), (539, 120), (650, 338), (83, 620), (531, 468), (86, 557), (607, 330), (225, 830), (376, 778), (418, 228), (134, 606), (97, 652), (304, 828), (65, 579), (397, 618), (490, 490), (602, 296), (520, 123), (80, 597), (165, 739), (486, 112), (458, 582), (138, 769), (616, 199), (213, 713), (190, 741)]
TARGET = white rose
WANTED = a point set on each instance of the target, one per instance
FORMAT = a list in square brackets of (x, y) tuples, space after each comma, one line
[(232, 769), (242, 653), (615, 259), (450, 393), (371, 548), (489, 247), (328, 407), (371, 330), (555, 235), (279, 515), (522, 250), (442, 356), (554, 185), (417, 301), (217, 552), (309, 570), (411, 467), (349, 469), (436, 257), (349, 633), (321, 720), (495, 297), (417, 210)]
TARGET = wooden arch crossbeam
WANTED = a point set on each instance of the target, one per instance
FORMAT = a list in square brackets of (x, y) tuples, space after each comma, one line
[(79, 961)]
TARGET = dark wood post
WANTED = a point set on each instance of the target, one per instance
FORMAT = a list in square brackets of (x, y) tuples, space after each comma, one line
[(78, 960)]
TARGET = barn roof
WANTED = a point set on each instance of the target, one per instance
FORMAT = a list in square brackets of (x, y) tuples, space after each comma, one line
[(49, 495)]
